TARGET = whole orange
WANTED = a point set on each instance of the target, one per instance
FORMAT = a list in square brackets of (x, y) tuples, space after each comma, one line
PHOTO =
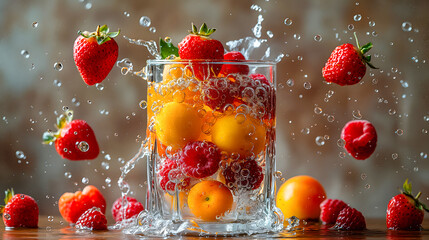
[(209, 199), (301, 196)]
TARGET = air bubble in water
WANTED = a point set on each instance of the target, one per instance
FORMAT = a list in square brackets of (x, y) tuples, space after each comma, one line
[(320, 141), (68, 175), (99, 86), (58, 66), (293, 222), (83, 146), (406, 26), (357, 17), (318, 38), (20, 155), (145, 21), (288, 21), (35, 24), (85, 180), (25, 53)]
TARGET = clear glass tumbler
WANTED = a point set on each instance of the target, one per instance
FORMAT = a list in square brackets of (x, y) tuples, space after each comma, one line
[(211, 131)]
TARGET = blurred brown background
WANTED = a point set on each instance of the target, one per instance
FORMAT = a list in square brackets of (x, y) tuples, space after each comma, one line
[(310, 112)]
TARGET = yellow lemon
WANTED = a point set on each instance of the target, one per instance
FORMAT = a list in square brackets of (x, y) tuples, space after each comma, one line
[(239, 134), (177, 124)]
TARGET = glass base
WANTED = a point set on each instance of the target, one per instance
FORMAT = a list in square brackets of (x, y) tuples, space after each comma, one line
[(154, 226)]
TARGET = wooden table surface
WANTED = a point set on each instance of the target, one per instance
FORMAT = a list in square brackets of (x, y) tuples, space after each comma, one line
[(57, 229)]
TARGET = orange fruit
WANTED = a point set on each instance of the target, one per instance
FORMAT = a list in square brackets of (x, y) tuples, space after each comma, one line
[(209, 199), (177, 124), (239, 134), (300, 196)]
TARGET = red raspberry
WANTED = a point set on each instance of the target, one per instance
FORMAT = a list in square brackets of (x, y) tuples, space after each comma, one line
[(245, 174), (218, 92), (167, 170), (360, 138), (350, 219), (234, 68), (260, 92), (200, 159), (92, 219), (132, 208), (330, 208)]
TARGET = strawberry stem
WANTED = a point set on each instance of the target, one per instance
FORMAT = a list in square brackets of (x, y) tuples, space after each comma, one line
[(364, 49), (101, 34), (49, 136), (204, 30)]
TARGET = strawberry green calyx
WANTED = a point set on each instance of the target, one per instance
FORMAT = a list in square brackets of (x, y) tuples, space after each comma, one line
[(167, 48), (204, 30), (8, 195), (102, 34), (49, 136), (364, 49), (407, 192)]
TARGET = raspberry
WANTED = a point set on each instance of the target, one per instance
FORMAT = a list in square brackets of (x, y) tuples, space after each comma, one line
[(169, 169), (360, 138), (330, 208), (350, 219), (246, 174), (132, 208), (200, 159), (234, 68), (92, 219), (258, 91), (218, 92)]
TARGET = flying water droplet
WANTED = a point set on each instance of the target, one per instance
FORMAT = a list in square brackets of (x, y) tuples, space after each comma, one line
[(58, 66), (85, 180), (288, 21), (99, 86), (356, 114), (25, 53), (7, 216), (145, 21), (105, 165), (307, 85), (357, 17), (399, 132), (305, 130), (20, 155), (88, 6), (318, 110), (290, 82), (351, 27), (127, 14), (297, 36), (152, 29), (68, 175), (320, 141), (406, 26), (371, 23), (35, 24), (318, 38), (143, 104)]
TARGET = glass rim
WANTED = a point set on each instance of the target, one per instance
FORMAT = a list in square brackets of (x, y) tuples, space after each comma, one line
[(259, 63)]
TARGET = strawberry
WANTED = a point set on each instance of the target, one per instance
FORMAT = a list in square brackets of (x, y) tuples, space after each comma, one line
[(74, 140), (234, 68), (95, 54), (72, 205), (350, 219), (92, 219), (132, 207), (20, 211), (404, 211), (347, 64), (199, 46), (329, 210)]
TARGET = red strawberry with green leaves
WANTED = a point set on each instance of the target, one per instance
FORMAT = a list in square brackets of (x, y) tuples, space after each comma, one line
[(95, 54), (92, 219), (347, 64), (20, 210), (404, 211), (235, 68), (199, 46), (74, 140)]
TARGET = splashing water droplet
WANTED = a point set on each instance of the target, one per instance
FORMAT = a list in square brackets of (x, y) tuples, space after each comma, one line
[(357, 17), (290, 82), (88, 6), (399, 132), (127, 14), (99, 86), (20, 155), (394, 156), (288, 21), (356, 114), (367, 186), (57, 83), (25, 53), (406, 26), (108, 180), (318, 110), (50, 218), (320, 141), (35, 24), (341, 143), (363, 176), (318, 38), (7, 216), (342, 154), (83, 146), (270, 34), (297, 36), (143, 104), (371, 23), (307, 85), (145, 21), (152, 29), (58, 66), (68, 175), (351, 27), (105, 165), (85, 180)]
